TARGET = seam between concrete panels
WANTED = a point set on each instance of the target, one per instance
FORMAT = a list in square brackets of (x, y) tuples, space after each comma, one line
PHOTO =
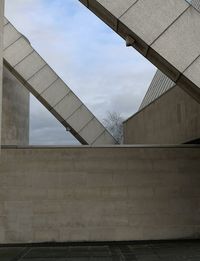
[(57, 78), (86, 124), (169, 26), (36, 72), (99, 136), (21, 36), (128, 9), (74, 111), (23, 59), (62, 99), (191, 63)]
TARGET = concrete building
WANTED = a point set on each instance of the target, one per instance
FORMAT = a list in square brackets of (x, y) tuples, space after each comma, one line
[(109, 193), (166, 117)]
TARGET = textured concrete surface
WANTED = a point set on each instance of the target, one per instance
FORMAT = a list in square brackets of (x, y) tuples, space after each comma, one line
[(15, 111), (36, 75), (1, 60), (130, 251), (167, 33), (159, 85), (99, 194), (173, 118)]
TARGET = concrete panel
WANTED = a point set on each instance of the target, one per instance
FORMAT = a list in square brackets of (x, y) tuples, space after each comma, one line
[(1, 65), (80, 118), (30, 65), (56, 92), (182, 40), (91, 194), (192, 72), (104, 138), (10, 35), (15, 111), (42, 79), (68, 105), (159, 85), (173, 118), (92, 131), (17, 51), (158, 15), (117, 7)]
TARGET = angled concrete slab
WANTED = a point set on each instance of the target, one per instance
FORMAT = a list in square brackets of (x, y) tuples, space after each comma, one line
[(38, 77), (166, 32)]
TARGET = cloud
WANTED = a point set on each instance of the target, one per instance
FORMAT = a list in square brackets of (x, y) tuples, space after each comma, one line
[(89, 56)]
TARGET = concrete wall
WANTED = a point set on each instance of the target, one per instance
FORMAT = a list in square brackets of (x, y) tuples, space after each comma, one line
[(174, 118), (15, 112), (1, 59), (98, 194)]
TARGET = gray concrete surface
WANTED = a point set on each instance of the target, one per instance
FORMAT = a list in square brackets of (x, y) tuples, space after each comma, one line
[(37, 76), (99, 194), (173, 118), (159, 85), (130, 251), (1, 60), (167, 33), (15, 111)]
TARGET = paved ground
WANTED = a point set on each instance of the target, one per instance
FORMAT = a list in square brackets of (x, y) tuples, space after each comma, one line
[(158, 251)]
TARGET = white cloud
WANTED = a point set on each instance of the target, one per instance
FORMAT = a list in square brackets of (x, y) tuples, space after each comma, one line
[(91, 58)]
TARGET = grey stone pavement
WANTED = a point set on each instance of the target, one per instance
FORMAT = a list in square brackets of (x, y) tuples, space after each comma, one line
[(155, 251)]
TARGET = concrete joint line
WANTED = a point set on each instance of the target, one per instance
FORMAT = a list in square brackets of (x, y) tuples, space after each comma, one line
[(36, 72), (86, 124), (74, 112), (21, 36), (127, 10), (23, 58), (169, 26), (57, 78), (191, 63), (62, 99), (98, 136)]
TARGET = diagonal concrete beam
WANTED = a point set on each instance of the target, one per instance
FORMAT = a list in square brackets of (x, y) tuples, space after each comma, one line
[(37, 76), (167, 33), (161, 83)]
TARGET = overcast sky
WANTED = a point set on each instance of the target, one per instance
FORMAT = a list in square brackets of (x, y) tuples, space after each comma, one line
[(87, 55)]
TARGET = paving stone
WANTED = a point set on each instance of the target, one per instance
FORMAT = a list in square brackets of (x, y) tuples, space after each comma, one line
[(10, 254), (47, 252), (169, 251), (43, 259)]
